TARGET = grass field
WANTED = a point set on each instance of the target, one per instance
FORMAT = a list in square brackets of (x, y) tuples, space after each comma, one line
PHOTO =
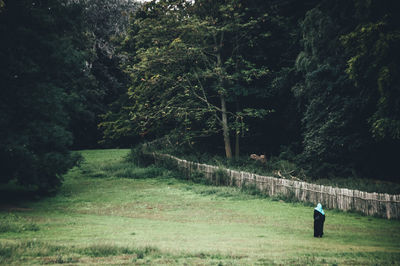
[(110, 212)]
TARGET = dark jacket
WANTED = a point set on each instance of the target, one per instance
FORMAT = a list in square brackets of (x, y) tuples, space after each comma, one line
[(319, 220)]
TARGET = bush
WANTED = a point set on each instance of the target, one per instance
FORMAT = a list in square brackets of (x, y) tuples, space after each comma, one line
[(251, 189), (199, 177), (221, 177), (139, 157)]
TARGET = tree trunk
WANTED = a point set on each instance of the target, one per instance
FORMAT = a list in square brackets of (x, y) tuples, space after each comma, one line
[(225, 129), (237, 145), (237, 134)]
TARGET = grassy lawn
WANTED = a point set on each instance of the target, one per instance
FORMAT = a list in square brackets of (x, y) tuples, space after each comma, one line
[(110, 212)]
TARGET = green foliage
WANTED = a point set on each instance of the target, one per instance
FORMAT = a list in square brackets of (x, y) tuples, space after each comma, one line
[(104, 24), (139, 156), (373, 63), (289, 197), (338, 103), (40, 62), (184, 66), (334, 114), (117, 71), (16, 224), (280, 167), (251, 189), (200, 178), (362, 184), (278, 83), (221, 178)]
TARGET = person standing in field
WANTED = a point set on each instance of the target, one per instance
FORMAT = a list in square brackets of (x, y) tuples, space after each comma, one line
[(319, 219)]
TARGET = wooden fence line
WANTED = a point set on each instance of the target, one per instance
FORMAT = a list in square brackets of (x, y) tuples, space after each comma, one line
[(373, 204)]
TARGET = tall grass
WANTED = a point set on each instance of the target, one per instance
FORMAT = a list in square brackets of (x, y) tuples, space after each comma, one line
[(14, 223), (68, 254), (128, 167), (37, 252)]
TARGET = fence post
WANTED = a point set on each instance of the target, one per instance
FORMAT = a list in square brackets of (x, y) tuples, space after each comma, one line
[(379, 204)]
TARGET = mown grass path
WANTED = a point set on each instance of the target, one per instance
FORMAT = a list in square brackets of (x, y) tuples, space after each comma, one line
[(111, 212)]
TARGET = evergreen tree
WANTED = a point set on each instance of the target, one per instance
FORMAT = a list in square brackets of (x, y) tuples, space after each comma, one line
[(38, 59)]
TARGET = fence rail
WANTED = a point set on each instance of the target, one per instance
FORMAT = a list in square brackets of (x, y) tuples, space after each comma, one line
[(373, 204)]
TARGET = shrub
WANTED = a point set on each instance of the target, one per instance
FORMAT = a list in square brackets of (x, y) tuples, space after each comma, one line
[(251, 189), (288, 197), (221, 177), (199, 177), (140, 157)]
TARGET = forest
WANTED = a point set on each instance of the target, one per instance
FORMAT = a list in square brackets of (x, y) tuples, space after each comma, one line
[(314, 82)]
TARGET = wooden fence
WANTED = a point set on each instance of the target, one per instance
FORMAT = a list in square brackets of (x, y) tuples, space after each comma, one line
[(374, 204)]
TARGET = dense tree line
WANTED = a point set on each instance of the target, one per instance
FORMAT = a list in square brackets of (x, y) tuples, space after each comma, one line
[(59, 71), (314, 82)]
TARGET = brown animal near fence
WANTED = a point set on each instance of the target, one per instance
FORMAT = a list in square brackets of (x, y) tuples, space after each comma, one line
[(260, 158), (374, 204)]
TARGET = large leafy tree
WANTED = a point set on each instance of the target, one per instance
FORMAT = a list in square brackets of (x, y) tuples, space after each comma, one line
[(104, 23), (39, 60), (349, 92), (374, 63), (232, 30), (189, 68), (275, 43), (150, 32), (212, 68), (334, 115)]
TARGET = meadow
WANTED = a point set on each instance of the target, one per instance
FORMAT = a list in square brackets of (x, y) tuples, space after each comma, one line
[(110, 211)]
